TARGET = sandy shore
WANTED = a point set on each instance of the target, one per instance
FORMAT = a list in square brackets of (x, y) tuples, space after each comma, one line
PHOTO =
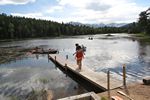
[(136, 92)]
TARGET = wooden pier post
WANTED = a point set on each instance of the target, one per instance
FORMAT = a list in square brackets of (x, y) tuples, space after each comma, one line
[(55, 62), (124, 75), (66, 56), (108, 84), (65, 66), (66, 63), (48, 57), (55, 58)]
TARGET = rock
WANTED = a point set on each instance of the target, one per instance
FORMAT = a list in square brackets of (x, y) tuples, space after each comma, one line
[(146, 80), (49, 95)]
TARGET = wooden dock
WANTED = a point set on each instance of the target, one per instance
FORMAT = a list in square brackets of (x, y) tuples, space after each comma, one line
[(95, 80)]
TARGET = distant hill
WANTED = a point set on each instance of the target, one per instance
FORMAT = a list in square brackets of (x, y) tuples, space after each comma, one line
[(76, 23), (99, 25), (117, 24)]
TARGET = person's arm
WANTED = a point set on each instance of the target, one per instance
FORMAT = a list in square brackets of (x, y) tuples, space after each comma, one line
[(74, 53), (83, 53)]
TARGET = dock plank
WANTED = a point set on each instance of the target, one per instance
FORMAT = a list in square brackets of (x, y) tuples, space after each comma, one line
[(97, 78)]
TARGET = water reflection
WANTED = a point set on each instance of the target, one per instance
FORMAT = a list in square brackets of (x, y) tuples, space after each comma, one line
[(103, 53), (19, 78)]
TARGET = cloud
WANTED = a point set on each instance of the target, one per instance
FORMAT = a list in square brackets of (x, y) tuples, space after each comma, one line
[(38, 16), (98, 6), (15, 2), (106, 11), (73, 3), (89, 11), (28, 15), (42, 16), (54, 9)]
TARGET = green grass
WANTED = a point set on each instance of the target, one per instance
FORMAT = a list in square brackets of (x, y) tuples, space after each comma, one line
[(142, 37), (104, 98)]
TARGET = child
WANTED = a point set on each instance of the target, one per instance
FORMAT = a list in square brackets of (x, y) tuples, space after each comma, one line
[(79, 56)]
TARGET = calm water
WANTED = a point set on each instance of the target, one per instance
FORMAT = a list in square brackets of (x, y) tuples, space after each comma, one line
[(19, 77)]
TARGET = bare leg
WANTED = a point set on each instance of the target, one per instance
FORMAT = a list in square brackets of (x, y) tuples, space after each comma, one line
[(77, 62), (80, 64)]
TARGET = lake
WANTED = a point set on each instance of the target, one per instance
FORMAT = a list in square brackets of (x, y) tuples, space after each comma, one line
[(19, 77)]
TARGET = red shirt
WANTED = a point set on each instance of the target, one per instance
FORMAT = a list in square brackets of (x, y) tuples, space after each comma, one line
[(79, 54)]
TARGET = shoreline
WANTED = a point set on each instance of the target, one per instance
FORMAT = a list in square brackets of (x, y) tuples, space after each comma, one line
[(142, 37), (136, 91)]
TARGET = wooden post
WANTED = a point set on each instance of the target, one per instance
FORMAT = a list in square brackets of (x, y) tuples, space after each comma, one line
[(66, 64), (55, 61), (124, 75), (66, 56), (108, 84), (48, 57), (65, 67), (55, 58)]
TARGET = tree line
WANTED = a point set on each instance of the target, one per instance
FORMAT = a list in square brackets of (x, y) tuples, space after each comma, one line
[(142, 25), (13, 27), (144, 21)]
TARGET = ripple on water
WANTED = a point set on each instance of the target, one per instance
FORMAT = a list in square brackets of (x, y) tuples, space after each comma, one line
[(4, 72), (102, 54)]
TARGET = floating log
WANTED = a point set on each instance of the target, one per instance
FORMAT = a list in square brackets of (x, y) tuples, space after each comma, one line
[(45, 52), (41, 51)]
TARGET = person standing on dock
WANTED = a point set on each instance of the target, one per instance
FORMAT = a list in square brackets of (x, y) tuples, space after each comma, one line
[(79, 56)]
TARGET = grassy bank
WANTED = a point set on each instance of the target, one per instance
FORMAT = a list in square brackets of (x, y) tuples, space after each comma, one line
[(142, 37)]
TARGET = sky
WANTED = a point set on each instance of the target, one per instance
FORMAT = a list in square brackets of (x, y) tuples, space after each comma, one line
[(83, 11)]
